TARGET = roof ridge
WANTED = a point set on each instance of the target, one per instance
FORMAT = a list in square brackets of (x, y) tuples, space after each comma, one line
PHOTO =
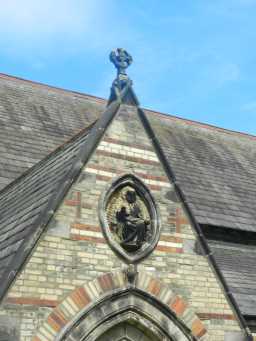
[(201, 124), (53, 87), (154, 112)]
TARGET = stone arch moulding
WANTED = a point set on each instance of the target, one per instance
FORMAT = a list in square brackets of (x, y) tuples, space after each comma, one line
[(110, 299), (114, 196)]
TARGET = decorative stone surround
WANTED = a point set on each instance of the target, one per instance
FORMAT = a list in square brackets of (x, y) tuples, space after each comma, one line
[(147, 246), (85, 297)]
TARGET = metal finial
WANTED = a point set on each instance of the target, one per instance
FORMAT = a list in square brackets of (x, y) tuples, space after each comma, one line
[(121, 59)]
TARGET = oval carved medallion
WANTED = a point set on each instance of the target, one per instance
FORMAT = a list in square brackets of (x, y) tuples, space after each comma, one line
[(129, 218)]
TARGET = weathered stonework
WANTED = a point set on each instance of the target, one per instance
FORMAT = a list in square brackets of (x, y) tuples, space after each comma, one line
[(66, 315), (146, 215), (74, 252)]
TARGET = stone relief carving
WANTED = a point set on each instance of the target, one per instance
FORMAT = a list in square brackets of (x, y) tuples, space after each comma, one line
[(129, 218)]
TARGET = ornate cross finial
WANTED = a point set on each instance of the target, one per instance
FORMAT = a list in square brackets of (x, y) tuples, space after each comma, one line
[(121, 59), (122, 85)]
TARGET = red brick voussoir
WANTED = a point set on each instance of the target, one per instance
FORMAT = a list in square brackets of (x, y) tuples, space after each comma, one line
[(103, 286)]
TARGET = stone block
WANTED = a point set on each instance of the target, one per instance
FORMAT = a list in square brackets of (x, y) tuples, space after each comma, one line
[(9, 328)]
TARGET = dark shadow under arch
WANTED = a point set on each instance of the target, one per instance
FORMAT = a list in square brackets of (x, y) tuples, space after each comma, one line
[(131, 327)]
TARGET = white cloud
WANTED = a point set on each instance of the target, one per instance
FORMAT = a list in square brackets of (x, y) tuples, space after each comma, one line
[(38, 29), (33, 23), (30, 17)]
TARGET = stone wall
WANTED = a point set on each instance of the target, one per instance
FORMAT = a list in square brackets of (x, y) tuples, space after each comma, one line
[(73, 251)]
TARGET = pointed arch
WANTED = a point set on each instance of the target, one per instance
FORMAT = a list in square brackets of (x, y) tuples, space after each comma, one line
[(110, 299)]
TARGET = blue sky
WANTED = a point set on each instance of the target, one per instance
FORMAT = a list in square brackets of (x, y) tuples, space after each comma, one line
[(193, 58)]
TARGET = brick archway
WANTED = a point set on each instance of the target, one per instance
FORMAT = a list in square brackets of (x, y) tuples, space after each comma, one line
[(84, 298)]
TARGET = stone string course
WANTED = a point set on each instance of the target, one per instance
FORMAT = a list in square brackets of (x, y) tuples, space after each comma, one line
[(73, 251)]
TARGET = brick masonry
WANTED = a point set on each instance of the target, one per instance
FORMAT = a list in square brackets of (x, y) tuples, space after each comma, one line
[(73, 251), (84, 296)]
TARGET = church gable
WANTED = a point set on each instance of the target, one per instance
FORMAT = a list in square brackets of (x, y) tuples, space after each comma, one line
[(74, 252)]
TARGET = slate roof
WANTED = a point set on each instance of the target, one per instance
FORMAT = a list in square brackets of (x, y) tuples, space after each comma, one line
[(35, 119), (238, 265), (24, 206), (29, 202), (214, 167)]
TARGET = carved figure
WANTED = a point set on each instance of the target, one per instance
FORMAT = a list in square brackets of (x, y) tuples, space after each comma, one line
[(133, 226), (129, 218)]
